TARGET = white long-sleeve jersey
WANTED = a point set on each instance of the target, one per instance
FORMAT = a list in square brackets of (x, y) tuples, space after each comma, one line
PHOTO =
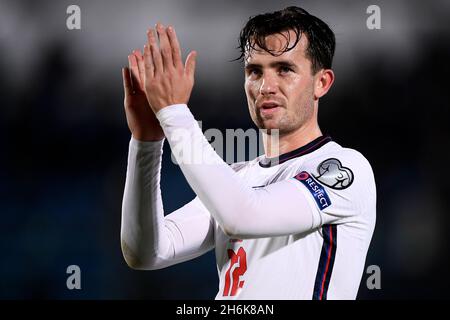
[(295, 227)]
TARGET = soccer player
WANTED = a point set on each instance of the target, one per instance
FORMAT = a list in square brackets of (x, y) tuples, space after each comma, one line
[(292, 225)]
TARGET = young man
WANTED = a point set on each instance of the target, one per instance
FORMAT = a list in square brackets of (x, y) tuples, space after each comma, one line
[(289, 225)]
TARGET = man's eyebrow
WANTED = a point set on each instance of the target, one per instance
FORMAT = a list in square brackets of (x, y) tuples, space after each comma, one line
[(252, 66), (283, 63), (275, 64)]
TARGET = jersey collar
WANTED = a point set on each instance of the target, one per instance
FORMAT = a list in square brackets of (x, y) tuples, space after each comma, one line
[(308, 148)]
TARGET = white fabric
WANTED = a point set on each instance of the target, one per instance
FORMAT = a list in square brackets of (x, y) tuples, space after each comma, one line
[(241, 211), (275, 229), (150, 240)]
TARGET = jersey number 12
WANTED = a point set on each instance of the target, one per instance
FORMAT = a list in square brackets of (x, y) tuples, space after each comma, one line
[(238, 266)]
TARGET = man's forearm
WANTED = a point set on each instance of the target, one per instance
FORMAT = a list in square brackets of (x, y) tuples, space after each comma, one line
[(143, 236)]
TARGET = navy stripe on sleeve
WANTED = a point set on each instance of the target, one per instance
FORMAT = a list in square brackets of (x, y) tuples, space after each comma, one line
[(326, 262)]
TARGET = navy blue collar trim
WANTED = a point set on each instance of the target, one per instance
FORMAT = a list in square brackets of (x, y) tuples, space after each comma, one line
[(308, 148)]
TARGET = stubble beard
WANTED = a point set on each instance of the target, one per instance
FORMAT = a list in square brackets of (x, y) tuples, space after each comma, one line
[(287, 122)]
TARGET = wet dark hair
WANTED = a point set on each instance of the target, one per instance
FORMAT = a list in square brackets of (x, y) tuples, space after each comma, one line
[(321, 39)]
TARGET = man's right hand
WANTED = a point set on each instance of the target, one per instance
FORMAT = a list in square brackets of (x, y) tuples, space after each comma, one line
[(142, 122)]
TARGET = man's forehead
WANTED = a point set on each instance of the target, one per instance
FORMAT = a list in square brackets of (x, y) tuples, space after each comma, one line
[(277, 44)]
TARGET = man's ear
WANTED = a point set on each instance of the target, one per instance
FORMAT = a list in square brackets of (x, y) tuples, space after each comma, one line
[(323, 81)]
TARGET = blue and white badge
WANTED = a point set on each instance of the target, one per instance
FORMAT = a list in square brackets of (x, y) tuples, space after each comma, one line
[(316, 189)]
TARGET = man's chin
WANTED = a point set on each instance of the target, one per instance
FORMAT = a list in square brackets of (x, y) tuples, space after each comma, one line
[(269, 125)]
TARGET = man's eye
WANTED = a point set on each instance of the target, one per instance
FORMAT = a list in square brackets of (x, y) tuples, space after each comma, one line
[(285, 70), (255, 72)]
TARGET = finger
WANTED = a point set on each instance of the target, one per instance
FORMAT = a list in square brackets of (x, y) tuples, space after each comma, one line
[(148, 63), (141, 67), (127, 87), (175, 45), (132, 62), (191, 61), (164, 47), (155, 53)]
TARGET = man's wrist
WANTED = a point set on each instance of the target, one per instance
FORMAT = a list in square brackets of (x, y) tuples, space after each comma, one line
[(171, 110)]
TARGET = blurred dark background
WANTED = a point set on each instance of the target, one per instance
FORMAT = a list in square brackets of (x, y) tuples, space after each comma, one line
[(64, 138)]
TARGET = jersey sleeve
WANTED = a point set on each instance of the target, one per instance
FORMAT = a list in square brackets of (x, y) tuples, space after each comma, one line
[(191, 229), (340, 189), (241, 211), (149, 239)]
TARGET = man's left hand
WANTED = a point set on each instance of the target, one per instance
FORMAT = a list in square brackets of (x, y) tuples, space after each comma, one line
[(167, 80)]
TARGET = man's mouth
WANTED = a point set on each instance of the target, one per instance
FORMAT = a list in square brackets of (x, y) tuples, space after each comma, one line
[(268, 108)]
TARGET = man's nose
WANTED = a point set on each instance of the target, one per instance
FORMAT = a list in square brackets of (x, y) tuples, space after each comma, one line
[(269, 84)]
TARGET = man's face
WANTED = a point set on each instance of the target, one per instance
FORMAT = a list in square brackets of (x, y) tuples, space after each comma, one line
[(280, 89)]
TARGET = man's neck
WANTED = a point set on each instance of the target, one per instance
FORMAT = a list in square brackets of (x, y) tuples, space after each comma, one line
[(275, 146)]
